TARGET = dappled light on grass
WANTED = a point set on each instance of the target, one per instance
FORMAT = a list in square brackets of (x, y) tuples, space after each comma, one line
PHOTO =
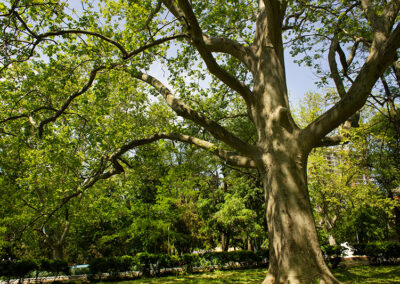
[(369, 274), (222, 277), (361, 274)]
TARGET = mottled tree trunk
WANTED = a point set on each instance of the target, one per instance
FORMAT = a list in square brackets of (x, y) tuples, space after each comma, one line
[(331, 239), (58, 251), (295, 254), (249, 245), (225, 241)]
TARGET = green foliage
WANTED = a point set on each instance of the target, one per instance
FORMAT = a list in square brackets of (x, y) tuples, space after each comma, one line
[(171, 197), (112, 265), (387, 252), (332, 254), (54, 266), (349, 202), (145, 261), (24, 267), (19, 268), (188, 261), (234, 259)]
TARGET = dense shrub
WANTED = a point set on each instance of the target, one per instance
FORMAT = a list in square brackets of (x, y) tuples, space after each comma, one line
[(21, 268), (262, 257), (188, 261), (111, 265), (6, 268), (98, 266), (18, 269), (332, 254), (144, 261), (242, 258), (380, 252)]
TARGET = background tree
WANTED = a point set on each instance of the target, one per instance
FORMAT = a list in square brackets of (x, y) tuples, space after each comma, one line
[(241, 55)]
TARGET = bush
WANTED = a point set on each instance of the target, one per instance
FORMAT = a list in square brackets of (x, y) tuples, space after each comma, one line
[(332, 254), (262, 256), (243, 258), (188, 261), (24, 267), (54, 266), (19, 268), (6, 269), (98, 266), (144, 262), (380, 252), (111, 265), (174, 261)]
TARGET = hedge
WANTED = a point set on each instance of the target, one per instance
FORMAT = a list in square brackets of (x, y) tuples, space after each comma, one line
[(148, 263), (21, 268), (332, 254), (111, 265), (387, 252), (241, 258)]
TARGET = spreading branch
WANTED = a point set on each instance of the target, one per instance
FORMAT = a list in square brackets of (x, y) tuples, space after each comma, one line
[(334, 68), (377, 62), (231, 158), (180, 108), (198, 38), (66, 104)]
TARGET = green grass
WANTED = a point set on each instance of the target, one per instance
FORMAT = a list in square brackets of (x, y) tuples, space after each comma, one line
[(360, 274), (369, 274)]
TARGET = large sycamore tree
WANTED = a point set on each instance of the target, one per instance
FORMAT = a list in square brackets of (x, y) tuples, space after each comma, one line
[(224, 76)]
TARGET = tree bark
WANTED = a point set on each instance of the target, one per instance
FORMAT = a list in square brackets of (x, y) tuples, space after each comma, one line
[(58, 251), (295, 254), (332, 240), (249, 245), (225, 241)]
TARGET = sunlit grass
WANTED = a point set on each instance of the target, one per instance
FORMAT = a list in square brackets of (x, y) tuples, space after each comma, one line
[(360, 274), (369, 274)]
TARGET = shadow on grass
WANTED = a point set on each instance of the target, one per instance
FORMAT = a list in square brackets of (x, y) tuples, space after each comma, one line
[(369, 274), (249, 276), (360, 274)]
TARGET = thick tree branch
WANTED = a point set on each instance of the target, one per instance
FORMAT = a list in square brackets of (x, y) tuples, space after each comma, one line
[(27, 115), (331, 141), (377, 62), (170, 4), (334, 68), (230, 157), (231, 47), (390, 13), (370, 13), (205, 53), (185, 111), (381, 23), (216, 44)]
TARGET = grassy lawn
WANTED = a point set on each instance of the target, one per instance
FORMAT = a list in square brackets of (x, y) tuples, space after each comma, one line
[(360, 274)]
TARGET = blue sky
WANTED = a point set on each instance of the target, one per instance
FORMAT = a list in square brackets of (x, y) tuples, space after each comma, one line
[(300, 79)]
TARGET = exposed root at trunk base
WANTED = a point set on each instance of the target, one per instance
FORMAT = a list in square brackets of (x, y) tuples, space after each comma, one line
[(303, 279)]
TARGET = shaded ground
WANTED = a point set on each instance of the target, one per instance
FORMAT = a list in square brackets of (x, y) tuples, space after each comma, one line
[(361, 274)]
